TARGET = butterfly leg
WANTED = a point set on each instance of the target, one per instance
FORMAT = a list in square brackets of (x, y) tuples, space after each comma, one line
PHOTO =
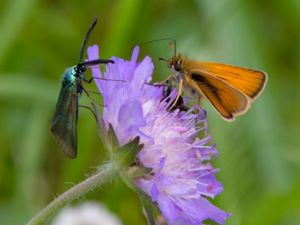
[(156, 84), (198, 100), (164, 83), (171, 80), (180, 88), (192, 92)]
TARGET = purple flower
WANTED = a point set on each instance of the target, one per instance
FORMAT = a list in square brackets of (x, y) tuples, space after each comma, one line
[(181, 180)]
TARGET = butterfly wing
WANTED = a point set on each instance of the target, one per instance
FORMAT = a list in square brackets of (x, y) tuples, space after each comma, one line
[(64, 122), (249, 81), (227, 100)]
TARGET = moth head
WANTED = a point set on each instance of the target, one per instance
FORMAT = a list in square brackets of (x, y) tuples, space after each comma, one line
[(79, 69)]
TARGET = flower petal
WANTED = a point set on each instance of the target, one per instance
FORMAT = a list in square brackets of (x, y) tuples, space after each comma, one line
[(181, 178)]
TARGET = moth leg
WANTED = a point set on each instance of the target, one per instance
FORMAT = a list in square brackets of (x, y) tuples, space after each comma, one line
[(89, 108), (88, 80), (93, 92), (99, 78), (85, 91), (89, 96), (180, 88), (91, 79)]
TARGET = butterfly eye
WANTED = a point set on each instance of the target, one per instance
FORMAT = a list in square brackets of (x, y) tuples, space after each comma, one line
[(177, 67)]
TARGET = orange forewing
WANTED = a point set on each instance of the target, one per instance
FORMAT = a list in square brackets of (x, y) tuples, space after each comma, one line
[(227, 100), (248, 81)]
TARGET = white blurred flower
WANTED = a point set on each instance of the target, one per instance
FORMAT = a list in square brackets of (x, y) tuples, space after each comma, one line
[(89, 213)]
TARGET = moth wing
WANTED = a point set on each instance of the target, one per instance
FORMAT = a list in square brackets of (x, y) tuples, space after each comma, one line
[(249, 81), (227, 100), (64, 122)]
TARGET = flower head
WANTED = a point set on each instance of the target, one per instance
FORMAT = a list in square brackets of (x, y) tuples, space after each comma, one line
[(181, 179)]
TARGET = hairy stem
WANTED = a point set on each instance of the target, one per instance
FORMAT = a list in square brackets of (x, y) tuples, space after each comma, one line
[(104, 175)]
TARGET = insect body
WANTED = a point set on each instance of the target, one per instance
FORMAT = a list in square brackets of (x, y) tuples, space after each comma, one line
[(64, 121), (230, 89)]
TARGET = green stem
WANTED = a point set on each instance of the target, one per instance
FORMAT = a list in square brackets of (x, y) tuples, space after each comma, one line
[(105, 174)]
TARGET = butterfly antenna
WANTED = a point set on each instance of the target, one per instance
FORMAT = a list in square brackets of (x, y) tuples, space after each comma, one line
[(86, 38), (162, 59), (161, 39), (175, 52), (172, 44)]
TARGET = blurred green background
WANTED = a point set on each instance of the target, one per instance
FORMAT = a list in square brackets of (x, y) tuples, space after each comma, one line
[(259, 154)]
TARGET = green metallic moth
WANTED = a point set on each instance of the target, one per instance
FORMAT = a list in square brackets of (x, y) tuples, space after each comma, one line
[(64, 121)]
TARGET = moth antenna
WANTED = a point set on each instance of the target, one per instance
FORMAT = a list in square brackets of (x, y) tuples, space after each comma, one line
[(86, 38)]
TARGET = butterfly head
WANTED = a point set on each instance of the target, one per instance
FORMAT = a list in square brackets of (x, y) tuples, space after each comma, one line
[(175, 63)]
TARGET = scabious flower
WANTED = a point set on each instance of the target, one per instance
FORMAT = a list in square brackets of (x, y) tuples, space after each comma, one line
[(181, 178), (89, 213)]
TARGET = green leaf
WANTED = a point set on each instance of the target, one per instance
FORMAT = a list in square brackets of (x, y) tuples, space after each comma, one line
[(108, 138), (125, 155), (100, 123), (150, 209), (138, 170), (111, 139)]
